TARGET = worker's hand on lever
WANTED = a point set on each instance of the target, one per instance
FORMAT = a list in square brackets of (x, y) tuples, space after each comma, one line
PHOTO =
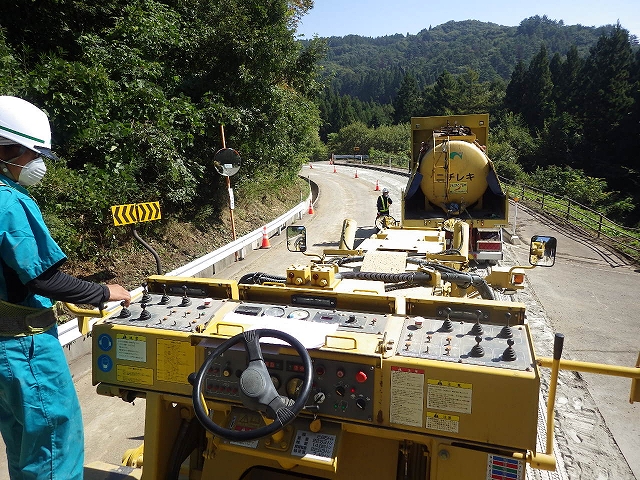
[(117, 292)]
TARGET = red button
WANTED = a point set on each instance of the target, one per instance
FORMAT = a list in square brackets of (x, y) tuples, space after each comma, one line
[(361, 377)]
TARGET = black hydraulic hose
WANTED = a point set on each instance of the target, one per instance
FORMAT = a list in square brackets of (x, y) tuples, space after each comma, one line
[(389, 277), (258, 278), (189, 436), (477, 281), (461, 279), (148, 247), (343, 260), (246, 279)]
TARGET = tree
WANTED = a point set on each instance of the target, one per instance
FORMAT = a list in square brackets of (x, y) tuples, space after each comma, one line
[(407, 101), (439, 99), (514, 96), (566, 82), (537, 100), (137, 92), (606, 105), (473, 96)]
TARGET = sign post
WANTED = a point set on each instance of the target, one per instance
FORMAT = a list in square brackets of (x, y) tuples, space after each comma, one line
[(227, 163), (133, 213)]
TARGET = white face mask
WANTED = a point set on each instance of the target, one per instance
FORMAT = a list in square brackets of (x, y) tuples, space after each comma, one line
[(31, 173)]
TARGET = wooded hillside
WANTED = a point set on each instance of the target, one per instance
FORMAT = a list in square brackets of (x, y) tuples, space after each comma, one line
[(137, 90), (564, 101)]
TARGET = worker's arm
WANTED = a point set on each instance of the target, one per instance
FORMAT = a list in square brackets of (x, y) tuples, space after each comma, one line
[(60, 286)]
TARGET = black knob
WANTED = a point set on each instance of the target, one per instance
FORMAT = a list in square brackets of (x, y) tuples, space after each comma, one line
[(509, 354), (125, 312), (447, 325), (144, 314), (165, 298), (146, 298), (340, 390), (186, 301)]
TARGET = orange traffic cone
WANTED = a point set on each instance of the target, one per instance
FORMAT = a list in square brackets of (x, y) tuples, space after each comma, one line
[(377, 189), (265, 239), (334, 168), (310, 165), (356, 176), (310, 207)]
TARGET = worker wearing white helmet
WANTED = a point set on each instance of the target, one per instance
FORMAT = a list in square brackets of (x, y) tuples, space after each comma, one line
[(384, 201), (40, 418)]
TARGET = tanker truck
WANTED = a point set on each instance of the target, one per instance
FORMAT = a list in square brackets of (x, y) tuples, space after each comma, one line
[(451, 177)]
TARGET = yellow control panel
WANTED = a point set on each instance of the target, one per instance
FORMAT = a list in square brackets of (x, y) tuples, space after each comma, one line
[(421, 375)]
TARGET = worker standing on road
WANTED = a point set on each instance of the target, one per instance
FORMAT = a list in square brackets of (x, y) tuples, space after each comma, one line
[(384, 201), (40, 417)]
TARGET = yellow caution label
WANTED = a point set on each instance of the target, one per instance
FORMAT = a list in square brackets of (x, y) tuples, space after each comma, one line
[(445, 383), (449, 396), (443, 416), (131, 347), (443, 422), (135, 375), (135, 213)]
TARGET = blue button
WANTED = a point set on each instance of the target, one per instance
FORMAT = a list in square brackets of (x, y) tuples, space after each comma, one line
[(105, 342), (105, 363)]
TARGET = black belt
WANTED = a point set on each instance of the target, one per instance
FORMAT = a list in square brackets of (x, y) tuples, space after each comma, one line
[(17, 320)]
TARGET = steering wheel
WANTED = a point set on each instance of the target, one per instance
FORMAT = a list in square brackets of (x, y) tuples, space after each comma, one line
[(257, 391)]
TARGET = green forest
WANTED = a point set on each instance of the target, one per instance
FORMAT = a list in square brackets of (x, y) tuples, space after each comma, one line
[(137, 92), (564, 101)]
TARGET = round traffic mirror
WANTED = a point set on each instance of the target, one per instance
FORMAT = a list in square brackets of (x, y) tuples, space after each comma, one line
[(227, 161)]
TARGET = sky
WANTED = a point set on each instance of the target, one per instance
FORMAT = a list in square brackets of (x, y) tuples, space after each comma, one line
[(376, 18)]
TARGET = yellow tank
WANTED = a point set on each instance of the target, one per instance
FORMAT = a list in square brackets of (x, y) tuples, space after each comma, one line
[(454, 174)]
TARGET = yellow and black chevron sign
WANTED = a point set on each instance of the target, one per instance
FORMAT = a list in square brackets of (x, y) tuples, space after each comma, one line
[(135, 213)]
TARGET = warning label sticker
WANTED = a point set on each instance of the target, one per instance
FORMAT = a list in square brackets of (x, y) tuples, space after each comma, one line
[(443, 422), (407, 396), (175, 361), (131, 347), (449, 396), (129, 374)]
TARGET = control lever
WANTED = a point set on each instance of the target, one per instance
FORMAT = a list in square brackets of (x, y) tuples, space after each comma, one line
[(477, 327), (146, 298), (165, 298), (125, 312), (447, 325), (186, 301)]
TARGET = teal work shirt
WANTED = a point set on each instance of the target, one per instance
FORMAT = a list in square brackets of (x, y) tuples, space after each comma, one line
[(26, 246)]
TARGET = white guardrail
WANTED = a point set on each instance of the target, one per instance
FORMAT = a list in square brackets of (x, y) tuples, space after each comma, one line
[(201, 267)]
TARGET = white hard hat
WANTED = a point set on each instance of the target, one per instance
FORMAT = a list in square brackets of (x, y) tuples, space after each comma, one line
[(385, 190), (23, 123)]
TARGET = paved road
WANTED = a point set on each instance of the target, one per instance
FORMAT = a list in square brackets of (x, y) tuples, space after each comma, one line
[(589, 296)]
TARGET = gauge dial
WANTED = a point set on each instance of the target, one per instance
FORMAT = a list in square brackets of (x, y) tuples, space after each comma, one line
[(294, 386), (299, 314), (274, 311)]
